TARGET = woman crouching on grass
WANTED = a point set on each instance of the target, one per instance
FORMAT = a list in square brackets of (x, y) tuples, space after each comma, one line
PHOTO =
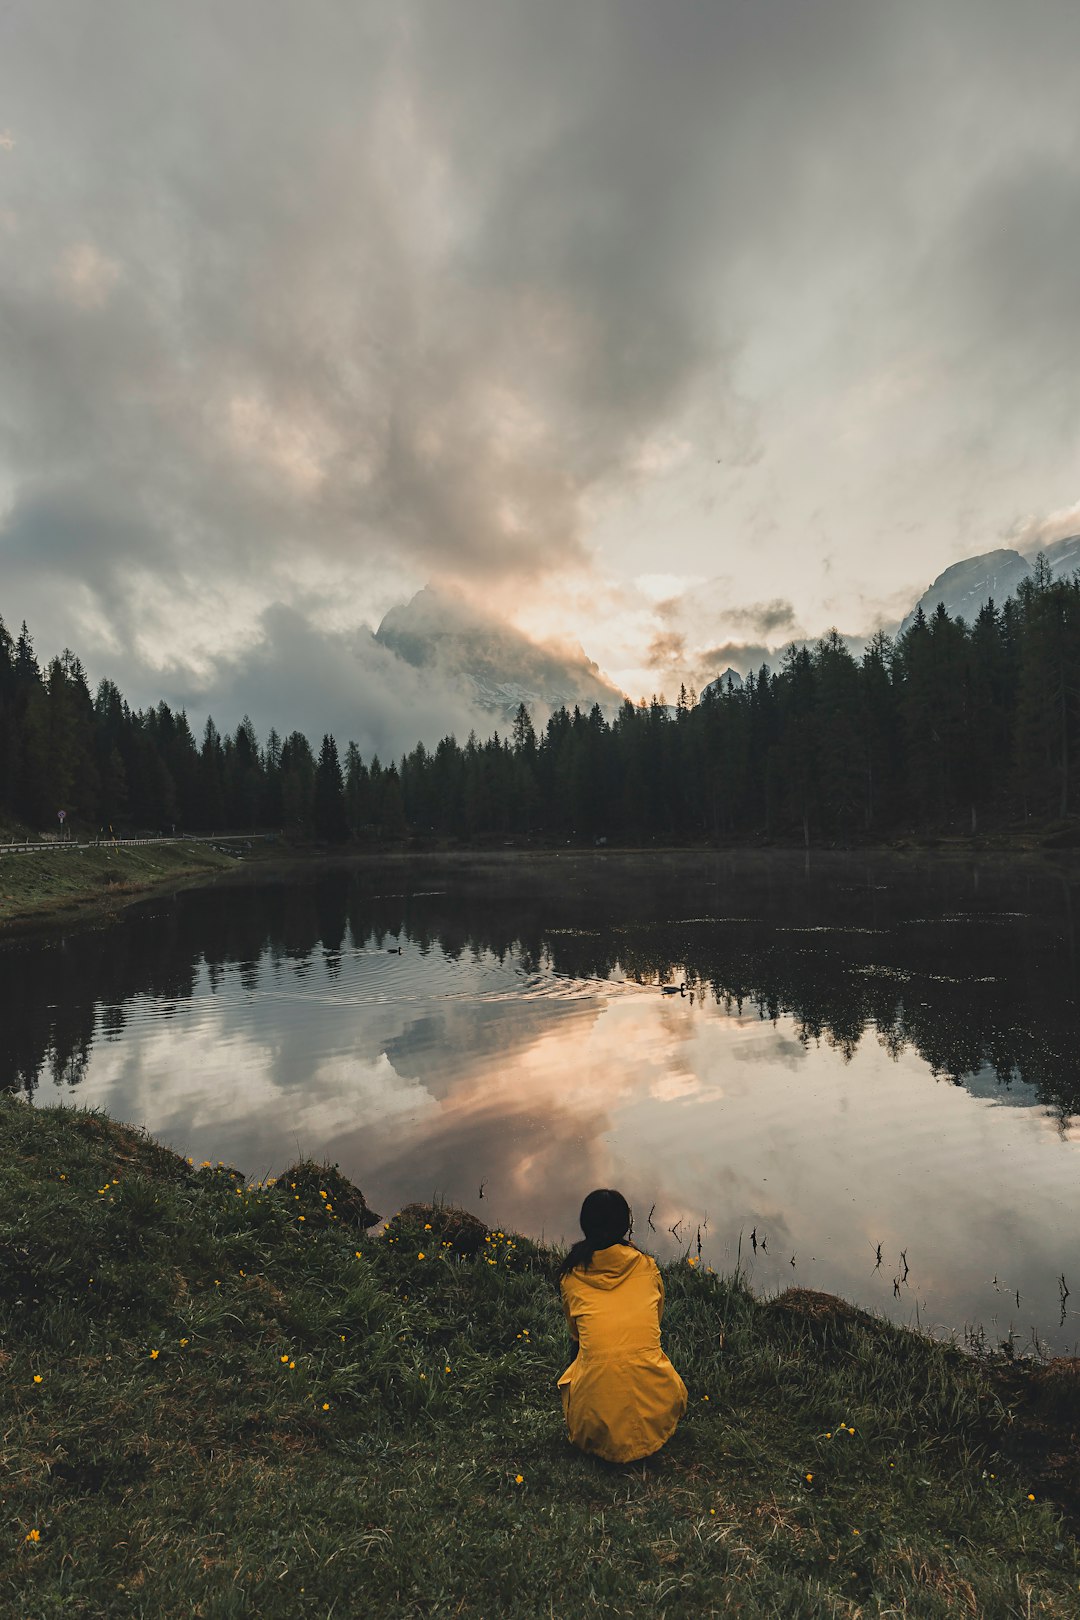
[(621, 1396)]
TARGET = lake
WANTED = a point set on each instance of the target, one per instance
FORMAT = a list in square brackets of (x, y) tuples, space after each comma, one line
[(869, 1085)]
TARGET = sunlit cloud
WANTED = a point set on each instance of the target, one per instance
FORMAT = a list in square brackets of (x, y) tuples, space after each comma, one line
[(543, 306), (1032, 531)]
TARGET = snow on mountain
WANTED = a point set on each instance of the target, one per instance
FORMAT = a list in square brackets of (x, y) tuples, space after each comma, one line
[(967, 586), (1062, 555), (495, 665)]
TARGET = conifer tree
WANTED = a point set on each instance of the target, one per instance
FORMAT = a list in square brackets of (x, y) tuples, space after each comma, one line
[(328, 808)]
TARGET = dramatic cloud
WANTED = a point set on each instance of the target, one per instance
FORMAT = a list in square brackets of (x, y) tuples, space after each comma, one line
[(1034, 532), (345, 681), (311, 304), (667, 650), (767, 618), (741, 656)]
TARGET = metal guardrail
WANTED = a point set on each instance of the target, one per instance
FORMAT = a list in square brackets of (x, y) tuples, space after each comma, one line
[(134, 843)]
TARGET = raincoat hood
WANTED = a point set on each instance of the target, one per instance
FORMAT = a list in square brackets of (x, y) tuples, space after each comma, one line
[(611, 1266)]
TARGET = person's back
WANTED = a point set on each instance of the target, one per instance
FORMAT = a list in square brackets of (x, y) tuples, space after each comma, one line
[(621, 1396)]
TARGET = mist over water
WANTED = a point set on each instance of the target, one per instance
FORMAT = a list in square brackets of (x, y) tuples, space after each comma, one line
[(870, 1084)]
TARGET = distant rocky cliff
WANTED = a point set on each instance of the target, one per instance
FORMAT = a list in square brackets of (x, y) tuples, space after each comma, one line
[(967, 586)]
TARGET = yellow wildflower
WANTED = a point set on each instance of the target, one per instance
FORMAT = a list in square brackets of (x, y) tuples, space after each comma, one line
[(183, 1342), (37, 1378), (519, 1479), (809, 1478), (284, 1358), (154, 1354), (326, 1406), (33, 1535), (420, 1256)]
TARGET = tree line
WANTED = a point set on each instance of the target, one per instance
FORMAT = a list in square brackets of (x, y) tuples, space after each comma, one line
[(947, 726)]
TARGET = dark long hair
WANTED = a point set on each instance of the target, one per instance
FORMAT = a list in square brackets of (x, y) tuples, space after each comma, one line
[(605, 1219)]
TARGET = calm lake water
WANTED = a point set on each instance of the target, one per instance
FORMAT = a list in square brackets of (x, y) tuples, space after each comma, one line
[(871, 1084)]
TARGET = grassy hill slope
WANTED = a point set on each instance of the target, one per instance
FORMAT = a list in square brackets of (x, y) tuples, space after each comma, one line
[(221, 1399)]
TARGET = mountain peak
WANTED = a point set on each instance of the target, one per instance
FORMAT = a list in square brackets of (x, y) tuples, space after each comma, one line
[(493, 662), (966, 586)]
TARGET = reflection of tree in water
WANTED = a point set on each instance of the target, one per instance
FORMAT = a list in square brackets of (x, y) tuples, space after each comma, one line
[(973, 967)]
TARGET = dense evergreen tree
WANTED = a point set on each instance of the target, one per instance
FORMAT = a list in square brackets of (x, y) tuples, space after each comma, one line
[(328, 804), (211, 810), (297, 782), (949, 727)]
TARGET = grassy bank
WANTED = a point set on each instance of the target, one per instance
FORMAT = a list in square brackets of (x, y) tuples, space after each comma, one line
[(56, 884), (60, 885), (223, 1400)]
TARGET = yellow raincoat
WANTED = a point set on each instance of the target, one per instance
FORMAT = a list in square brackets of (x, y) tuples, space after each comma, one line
[(621, 1396)]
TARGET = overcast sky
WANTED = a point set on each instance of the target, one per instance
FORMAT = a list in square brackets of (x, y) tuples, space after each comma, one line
[(671, 328)]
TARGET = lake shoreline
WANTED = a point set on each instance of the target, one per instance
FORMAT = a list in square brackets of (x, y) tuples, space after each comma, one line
[(55, 887), (58, 887), (229, 1377)]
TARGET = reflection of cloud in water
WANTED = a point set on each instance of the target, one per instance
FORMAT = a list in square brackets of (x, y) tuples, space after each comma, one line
[(466, 1034), (217, 1093), (703, 1113)]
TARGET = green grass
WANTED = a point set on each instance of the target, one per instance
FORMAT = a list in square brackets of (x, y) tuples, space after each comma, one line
[(52, 882), (332, 1425)]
